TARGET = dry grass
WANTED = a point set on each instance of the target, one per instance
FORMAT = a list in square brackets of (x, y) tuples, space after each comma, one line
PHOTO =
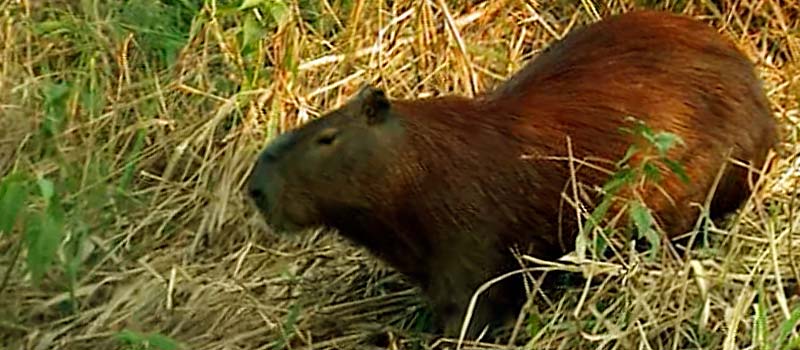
[(151, 152)]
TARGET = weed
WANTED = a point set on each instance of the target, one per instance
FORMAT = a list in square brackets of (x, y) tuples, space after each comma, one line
[(634, 178)]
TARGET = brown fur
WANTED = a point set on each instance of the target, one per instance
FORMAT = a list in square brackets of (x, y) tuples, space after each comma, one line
[(439, 189)]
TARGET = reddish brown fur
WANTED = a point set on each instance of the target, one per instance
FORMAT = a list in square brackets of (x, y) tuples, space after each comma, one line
[(438, 187)]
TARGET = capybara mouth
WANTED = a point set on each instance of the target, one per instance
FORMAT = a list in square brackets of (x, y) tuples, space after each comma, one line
[(279, 224), (263, 211), (272, 214)]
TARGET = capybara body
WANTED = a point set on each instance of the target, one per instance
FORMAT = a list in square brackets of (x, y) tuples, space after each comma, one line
[(442, 188)]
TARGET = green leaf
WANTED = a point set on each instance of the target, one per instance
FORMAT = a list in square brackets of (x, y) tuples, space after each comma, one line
[(655, 241), (644, 222), (252, 31), (43, 236), (535, 324), (601, 245), (129, 336), (288, 325), (154, 340), (280, 12), (620, 178), (677, 169), (92, 92), (76, 249), (645, 131), (628, 155), (786, 330), (794, 344), (13, 196), (130, 164), (248, 4), (651, 172), (665, 140), (639, 128), (597, 214), (289, 60), (46, 188), (162, 342), (55, 107), (44, 232), (51, 27), (641, 217), (291, 318)]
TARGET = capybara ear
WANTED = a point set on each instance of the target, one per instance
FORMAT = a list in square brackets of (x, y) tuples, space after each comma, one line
[(373, 104)]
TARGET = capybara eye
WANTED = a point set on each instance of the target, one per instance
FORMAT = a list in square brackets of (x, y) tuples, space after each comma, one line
[(326, 137), (326, 140)]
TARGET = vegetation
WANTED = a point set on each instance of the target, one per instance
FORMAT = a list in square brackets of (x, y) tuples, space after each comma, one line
[(128, 127)]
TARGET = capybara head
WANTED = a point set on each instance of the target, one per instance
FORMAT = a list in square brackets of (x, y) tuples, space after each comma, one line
[(308, 170)]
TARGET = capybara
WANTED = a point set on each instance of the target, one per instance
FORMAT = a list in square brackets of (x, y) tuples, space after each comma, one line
[(442, 188)]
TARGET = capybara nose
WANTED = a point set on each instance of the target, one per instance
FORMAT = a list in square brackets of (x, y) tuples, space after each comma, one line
[(258, 196), (256, 184), (256, 190)]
